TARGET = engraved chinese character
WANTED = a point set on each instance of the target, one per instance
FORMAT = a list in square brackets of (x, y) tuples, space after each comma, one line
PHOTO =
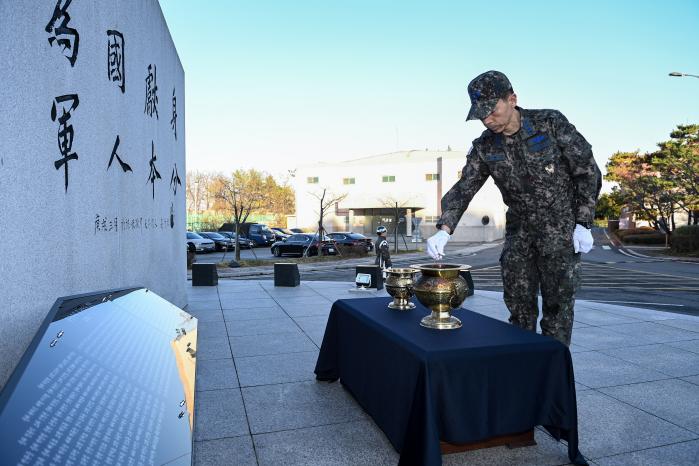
[(154, 174), (173, 120), (65, 131), (175, 180), (151, 92), (124, 166), (116, 70), (64, 36)]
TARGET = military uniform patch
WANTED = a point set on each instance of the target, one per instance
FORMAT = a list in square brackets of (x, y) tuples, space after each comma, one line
[(538, 143)]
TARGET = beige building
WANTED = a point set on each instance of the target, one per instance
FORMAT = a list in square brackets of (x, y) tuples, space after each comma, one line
[(415, 180)]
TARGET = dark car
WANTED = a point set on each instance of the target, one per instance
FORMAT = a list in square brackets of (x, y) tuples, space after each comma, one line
[(352, 240), (298, 243), (222, 243), (245, 243), (296, 230), (257, 232)]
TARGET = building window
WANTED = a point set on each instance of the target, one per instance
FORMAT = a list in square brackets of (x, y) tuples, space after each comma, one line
[(432, 177), (388, 179), (312, 180), (347, 180), (431, 219)]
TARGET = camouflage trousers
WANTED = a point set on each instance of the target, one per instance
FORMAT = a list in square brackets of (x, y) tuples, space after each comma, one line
[(525, 272)]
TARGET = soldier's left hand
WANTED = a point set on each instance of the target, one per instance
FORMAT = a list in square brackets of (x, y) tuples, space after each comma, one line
[(582, 239)]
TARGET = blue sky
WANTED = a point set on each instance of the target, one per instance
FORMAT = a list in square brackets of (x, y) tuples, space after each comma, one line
[(275, 84)]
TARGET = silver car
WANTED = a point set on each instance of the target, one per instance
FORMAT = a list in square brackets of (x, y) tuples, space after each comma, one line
[(200, 244)]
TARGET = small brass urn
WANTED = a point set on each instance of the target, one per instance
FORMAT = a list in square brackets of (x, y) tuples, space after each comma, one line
[(441, 288), (399, 284)]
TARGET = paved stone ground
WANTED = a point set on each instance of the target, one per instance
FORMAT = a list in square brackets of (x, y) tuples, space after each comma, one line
[(637, 373)]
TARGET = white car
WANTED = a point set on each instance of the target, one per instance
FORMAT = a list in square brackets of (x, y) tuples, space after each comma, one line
[(200, 244)]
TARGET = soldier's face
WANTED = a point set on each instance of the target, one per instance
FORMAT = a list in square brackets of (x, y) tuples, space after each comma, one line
[(501, 118)]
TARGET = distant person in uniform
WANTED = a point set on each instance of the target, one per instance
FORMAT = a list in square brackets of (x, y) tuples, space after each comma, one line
[(383, 255), (548, 178)]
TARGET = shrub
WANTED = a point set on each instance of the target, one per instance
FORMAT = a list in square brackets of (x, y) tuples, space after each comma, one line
[(685, 239), (653, 238), (351, 251), (635, 231), (687, 230)]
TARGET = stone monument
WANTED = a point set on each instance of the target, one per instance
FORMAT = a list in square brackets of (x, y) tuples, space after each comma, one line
[(92, 158)]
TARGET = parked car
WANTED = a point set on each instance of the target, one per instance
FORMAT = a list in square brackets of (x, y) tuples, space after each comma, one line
[(222, 243), (298, 243), (200, 244), (281, 233), (296, 230), (245, 243), (351, 239), (259, 233)]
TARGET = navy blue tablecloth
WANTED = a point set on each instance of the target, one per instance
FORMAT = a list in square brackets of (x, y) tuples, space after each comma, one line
[(420, 386)]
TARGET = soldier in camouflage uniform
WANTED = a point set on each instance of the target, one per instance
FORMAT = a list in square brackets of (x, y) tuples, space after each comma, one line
[(548, 178)]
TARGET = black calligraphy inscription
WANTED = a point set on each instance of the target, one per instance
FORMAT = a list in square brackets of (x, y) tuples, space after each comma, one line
[(172, 215), (173, 120), (124, 166), (106, 224), (175, 180), (64, 36), (151, 106), (116, 69), (65, 130), (154, 174)]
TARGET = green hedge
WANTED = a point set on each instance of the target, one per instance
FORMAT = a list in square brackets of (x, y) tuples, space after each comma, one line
[(685, 239), (645, 238), (635, 231), (352, 251)]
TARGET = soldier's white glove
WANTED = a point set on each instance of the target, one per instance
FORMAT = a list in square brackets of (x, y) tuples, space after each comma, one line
[(436, 243), (582, 239)]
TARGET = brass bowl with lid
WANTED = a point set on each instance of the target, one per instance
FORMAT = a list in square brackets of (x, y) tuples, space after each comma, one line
[(441, 289), (399, 284)]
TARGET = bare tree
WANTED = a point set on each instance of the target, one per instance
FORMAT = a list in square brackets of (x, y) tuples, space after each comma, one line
[(242, 193), (326, 200), (396, 207), (198, 193)]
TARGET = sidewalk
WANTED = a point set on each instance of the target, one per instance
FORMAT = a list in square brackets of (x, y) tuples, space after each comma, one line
[(257, 403), (261, 271)]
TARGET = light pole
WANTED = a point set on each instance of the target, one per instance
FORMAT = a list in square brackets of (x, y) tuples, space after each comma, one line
[(677, 74)]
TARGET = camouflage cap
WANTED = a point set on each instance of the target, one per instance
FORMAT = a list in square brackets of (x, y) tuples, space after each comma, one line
[(485, 90)]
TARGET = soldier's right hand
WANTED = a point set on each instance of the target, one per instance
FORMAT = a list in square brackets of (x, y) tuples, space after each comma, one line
[(436, 243)]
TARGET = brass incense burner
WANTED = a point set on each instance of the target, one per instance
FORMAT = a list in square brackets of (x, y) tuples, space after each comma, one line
[(399, 284), (441, 289)]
